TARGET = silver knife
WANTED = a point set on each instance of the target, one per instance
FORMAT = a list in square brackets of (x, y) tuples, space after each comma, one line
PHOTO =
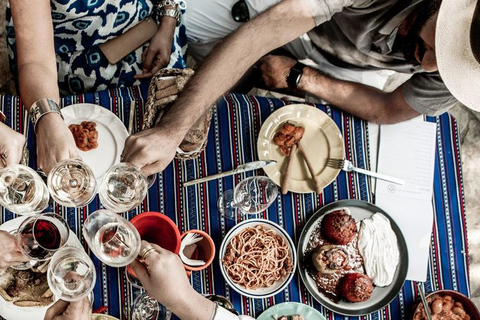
[(241, 168)]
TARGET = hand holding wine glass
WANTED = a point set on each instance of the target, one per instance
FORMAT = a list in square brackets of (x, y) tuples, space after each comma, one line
[(63, 310), (22, 191), (114, 240), (123, 188), (10, 253)]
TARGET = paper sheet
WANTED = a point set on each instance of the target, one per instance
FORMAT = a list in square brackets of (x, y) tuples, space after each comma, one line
[(407, 151)]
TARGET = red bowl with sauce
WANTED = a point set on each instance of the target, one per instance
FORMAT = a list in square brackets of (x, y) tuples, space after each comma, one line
[(437, 301)]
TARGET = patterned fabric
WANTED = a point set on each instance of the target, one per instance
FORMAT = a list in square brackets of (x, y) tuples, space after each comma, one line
[(79, 27), (232, 140)]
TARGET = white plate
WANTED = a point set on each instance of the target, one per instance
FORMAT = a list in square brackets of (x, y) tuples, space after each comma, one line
[(290, 309), (111, 135), (12, 312), (277, 286), (322, 140)]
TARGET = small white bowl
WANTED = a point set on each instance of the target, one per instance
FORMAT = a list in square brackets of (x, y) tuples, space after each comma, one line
[(279, 285)]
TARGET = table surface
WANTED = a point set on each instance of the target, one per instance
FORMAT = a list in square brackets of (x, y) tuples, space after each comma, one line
[(236, 122)]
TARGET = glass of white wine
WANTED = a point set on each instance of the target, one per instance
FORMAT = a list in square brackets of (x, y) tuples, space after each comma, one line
[(22, 190), (145, 307), (123, 188), (72, 183), (114, 240), (71, 274), (251, 196)]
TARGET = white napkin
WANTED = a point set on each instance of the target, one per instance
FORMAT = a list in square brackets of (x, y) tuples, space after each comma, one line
[(407, 151)]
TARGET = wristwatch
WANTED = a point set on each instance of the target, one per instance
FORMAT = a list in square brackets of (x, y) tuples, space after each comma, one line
[(295, 74), (41, 107)]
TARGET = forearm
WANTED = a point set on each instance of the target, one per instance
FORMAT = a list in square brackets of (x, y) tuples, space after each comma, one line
[(234, 56), (358, 99), (193, 306), (37, 81)]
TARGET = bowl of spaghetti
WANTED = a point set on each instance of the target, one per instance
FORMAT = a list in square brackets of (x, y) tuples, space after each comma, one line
[(257, 258)]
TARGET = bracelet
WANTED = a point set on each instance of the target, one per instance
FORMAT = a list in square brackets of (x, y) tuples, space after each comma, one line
[(40, 108), (214, 313), (174, 13), (166, 3)]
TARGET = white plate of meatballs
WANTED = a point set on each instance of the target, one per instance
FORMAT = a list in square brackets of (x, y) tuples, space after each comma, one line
[(344, 266)]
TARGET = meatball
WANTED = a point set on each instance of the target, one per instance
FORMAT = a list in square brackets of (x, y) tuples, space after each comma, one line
[(356, 287), (339, 227)]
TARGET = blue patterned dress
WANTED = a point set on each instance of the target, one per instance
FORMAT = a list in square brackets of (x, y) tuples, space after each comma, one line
[(79, 27)]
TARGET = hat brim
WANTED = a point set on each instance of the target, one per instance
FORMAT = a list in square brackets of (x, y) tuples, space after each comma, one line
[(459, 69)]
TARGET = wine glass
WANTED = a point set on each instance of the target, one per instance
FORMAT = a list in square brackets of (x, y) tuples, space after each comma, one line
[(146, 307), (72, 183), (123, 188), (251, 196), (71, 274), (114, 240), (39, 237), (22, 191)]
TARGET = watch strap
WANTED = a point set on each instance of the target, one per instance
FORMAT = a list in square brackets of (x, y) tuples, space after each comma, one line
[(41, 107), (295, 74), (174, 13)]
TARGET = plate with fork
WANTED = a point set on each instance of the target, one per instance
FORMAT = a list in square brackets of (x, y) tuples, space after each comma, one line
[(322, 140)]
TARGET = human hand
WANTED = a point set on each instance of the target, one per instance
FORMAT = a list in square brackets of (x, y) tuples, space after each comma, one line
[(10, 253), (157, 54), (54, 142), (11, 146), (275, 70), (151, 150), (63, 310), (164, 277)]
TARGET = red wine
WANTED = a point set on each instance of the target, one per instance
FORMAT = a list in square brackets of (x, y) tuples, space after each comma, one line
[(47, 234)]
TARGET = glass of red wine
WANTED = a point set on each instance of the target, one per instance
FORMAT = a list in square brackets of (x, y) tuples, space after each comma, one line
[(39, 237)]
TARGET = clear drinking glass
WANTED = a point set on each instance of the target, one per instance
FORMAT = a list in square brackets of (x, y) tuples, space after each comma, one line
[(114, 240), (251, 196), (39, 237), (72, 183), (123, 188), (71, 274), (147, 308), (22, 191)]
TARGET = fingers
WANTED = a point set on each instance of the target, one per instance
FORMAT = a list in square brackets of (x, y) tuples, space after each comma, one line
[(56, 309), (149, 60), (78, 307), (153, 168)]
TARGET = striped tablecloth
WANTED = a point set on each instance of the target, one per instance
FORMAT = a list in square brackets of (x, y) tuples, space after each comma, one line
[(236, 122)]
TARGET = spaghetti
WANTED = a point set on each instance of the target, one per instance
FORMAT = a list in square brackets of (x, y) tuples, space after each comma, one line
[(257, 257)]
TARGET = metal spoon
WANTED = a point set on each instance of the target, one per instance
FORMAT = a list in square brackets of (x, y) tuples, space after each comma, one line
[(424, 300)]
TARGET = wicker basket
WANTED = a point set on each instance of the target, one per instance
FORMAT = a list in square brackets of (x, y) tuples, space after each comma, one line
[(164, 88)]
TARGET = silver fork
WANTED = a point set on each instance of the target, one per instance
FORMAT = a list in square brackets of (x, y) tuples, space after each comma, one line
[(347, 165)]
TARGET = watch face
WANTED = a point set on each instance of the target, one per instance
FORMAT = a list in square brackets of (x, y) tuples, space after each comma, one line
[(240, 11)]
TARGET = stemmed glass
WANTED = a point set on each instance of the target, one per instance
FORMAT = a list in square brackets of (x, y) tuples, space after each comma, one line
[(114, 240), (39, 237), (22, 191), (72, 183), (145, 307), (251, 196), (123, 188), (71, 274)]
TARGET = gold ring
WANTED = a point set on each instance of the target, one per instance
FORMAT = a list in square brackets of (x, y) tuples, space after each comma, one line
[(146, 251)]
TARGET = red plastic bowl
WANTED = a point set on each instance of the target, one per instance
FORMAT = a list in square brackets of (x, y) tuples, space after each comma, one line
[(159, 229)]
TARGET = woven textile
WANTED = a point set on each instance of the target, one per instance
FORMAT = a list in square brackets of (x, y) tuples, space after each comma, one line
[(236, 122)]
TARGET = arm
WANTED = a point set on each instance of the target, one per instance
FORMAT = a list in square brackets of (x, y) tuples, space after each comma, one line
[(363, 101), (273, 28), (37, 72), (164, 278)]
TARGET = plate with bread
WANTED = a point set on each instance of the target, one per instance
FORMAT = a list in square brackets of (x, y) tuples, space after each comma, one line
[(300, 138)]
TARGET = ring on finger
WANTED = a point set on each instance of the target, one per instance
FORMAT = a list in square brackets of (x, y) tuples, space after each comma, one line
[(146, 252)]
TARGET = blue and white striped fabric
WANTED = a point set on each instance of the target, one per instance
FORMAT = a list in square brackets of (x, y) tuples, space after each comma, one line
[(236, 122)]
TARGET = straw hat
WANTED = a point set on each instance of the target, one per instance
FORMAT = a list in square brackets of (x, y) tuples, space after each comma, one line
[(457, 43)]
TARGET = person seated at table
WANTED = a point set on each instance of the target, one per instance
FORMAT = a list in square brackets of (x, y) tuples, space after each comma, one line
[(54, 50), (410, 37), (163, 276)]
